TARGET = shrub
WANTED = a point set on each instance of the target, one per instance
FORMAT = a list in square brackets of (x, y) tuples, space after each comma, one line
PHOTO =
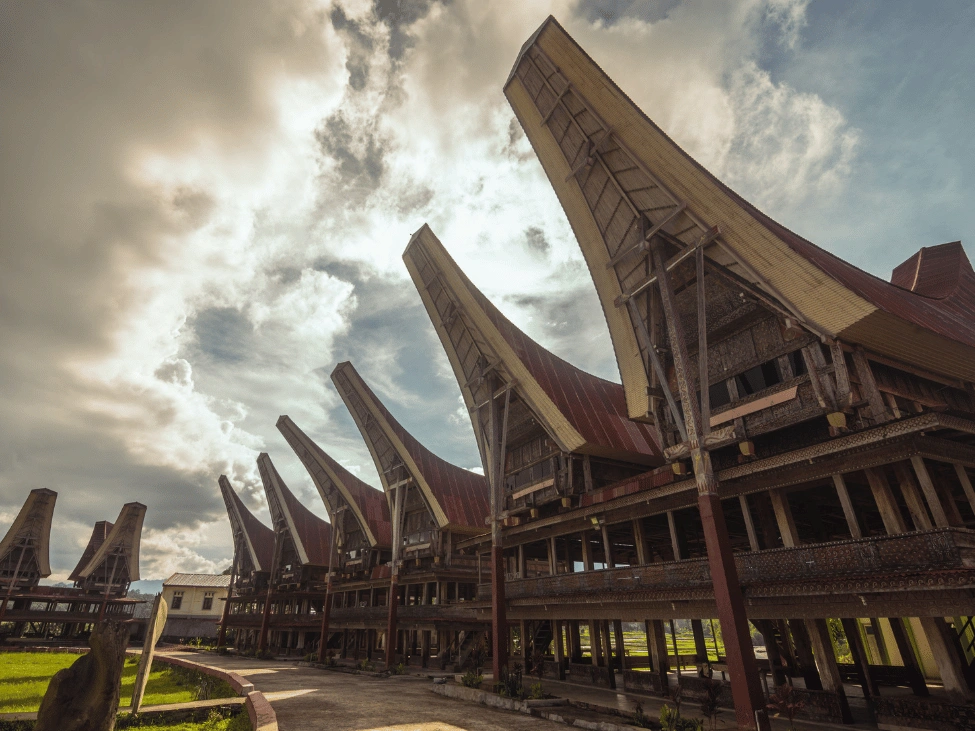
[(472, 679), (785, 701), (641, 719), (366, 666), (263, 655), (535, 692), (712, 691), (509, 684)]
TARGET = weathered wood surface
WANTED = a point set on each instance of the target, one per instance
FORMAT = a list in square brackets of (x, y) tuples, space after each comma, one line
[(85, 696), (157, 623)]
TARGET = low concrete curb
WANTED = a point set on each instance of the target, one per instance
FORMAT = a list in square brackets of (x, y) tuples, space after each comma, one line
[(539, 708), (241, 685), (263, 717)]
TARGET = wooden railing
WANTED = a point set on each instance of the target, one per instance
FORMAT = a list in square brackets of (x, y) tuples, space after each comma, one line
[(943, 549)]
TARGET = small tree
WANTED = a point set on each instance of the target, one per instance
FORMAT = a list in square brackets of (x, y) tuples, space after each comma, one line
[(786, 702)]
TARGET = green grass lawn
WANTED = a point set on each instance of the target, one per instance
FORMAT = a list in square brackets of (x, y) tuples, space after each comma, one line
[(24, 677)]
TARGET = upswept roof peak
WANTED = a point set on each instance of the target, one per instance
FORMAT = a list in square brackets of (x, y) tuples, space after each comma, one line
[(32, 527), (368, 505), (620, 179), (457, 498), (312, 536), (123, 536), (582, 412), (254, 537)]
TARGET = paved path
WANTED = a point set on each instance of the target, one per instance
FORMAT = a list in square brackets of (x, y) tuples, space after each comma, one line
[(307, 699)]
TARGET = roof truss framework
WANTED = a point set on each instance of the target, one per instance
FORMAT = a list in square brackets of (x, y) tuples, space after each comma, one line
[(281, 517), (393, 461), (246, 552), (24, 550), (116, 560), (330, 479)]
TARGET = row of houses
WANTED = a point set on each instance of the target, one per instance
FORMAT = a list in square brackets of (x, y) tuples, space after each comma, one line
[(99, 583), (788, 455)]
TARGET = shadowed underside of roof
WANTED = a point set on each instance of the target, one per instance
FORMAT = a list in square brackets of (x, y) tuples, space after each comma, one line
[(311, 534), (123, 537), (258, 539), (462, 495), (585, 130), (369, 504), (98, 535), (595, 408), (32, 526)]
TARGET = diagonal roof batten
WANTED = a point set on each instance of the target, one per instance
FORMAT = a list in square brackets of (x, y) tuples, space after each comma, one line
[(367, 504), (580, 412), (248, 531), (455, 497), (618, 175)]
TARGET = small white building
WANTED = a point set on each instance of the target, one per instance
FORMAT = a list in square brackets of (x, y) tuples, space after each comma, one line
[(196, 604)]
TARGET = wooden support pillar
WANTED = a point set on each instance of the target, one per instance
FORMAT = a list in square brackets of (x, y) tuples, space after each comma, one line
[(915, 675), (829, 672), (657, 651), (607, 547), (641, 543), (942, 642), (912, 497), (575, 642), (930, 492), (424, 647), (844, 495), (608, 650), (749, 523), (851, 627), (784, 519), (804, 654), (889, 511), (525, 649), (595, 644), (767, 628), (620, 644), (700, 648), (553, 558), (674, 543), (587, 562), (966, 484), (557, 650), (521, 562)]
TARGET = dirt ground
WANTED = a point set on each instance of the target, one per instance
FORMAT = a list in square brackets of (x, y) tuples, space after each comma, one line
[(307, 699)]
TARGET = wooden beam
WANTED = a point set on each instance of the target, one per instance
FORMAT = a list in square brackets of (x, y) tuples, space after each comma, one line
[(784, 519), (868, 385), (844, 396), (844, 495), (674, 543), (658, 368), (703, 378), (930, 492), (749, 523), (678, 258), (889, 510), (641, 246), (912, 496), (640, 541), (966, 484)]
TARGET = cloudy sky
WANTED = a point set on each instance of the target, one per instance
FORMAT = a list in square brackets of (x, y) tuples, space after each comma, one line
[(203, 208)]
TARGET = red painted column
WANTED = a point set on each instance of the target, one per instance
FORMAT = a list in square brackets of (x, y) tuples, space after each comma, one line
[(391, 622), (265, 623), (731, 612), (499, 621)]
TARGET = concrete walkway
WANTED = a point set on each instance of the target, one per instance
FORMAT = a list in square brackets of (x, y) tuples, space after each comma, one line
[(307, 699)]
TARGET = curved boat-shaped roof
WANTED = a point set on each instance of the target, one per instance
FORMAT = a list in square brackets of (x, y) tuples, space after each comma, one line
[(312, 536), (124, 537), (338, 486), (250, 534), (32, 528), (582, 412), (457, 498), (619, 176)]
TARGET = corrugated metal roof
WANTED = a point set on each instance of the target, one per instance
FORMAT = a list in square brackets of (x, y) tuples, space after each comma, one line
[(215, 580), (462, 494), (370, 501)]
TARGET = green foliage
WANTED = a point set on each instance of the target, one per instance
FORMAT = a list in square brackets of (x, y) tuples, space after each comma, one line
[(330, 661), (365, 666), (535, 691), (641, 719), (472, 679), (311, 657), (264, 655), (399, 669), (216, 721), (712, 692), (509, 684), (670, 718), (786, 702), (24, 677), (838, 637)]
